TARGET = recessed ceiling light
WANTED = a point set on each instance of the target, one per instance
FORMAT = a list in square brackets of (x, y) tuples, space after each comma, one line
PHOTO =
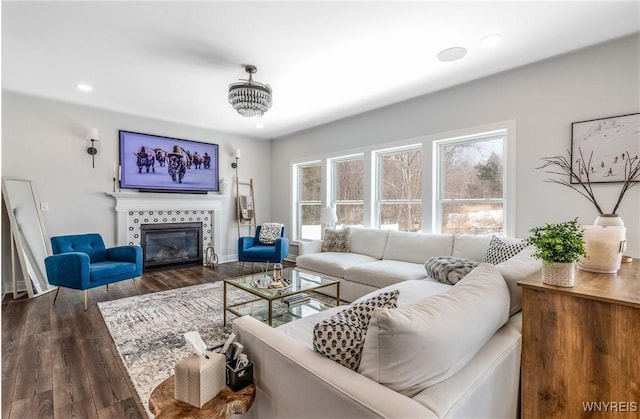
[(452, 54), (491, 40), (259, 125), (84, 87)]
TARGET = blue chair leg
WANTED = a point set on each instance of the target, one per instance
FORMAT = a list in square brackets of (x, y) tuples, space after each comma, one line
[(86, 297), (135, 285)]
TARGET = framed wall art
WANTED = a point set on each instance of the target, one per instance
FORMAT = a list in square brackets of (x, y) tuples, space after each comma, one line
[(612, 141)]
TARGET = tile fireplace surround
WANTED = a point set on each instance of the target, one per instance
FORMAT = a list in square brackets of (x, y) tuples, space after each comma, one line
[(134, 209)]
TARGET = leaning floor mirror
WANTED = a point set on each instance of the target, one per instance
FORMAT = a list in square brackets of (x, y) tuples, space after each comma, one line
[(29, 240)]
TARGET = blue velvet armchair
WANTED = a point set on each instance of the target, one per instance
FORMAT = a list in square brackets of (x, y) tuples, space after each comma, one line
[(250, 249), (82, 262)]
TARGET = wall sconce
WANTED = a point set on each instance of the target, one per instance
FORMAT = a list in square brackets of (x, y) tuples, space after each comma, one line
[(92, 135), (236, 155)]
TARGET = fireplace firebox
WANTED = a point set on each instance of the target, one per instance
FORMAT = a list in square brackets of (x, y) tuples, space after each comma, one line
[(171, 244)]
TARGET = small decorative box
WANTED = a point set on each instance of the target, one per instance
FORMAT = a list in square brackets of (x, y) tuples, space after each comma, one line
[(199, 379)]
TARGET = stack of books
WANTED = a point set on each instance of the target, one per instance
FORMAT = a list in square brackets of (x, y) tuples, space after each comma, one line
[(296, 299)]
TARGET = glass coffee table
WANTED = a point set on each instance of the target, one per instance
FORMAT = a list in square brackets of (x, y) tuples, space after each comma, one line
[(277, 306)]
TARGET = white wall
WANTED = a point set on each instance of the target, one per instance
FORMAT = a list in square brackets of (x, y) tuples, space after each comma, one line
[(543, 98), (43, 140)]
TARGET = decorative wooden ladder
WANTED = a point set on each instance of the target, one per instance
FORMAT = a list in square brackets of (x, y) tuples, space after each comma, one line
[(246, 207)]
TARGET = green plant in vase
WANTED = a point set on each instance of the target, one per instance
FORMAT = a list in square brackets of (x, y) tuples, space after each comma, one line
[(559, 246)]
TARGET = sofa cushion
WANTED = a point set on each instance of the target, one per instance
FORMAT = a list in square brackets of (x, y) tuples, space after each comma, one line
[(468, 246), (336, 240), (368, 241), (447, 269), (341, 336), (417, 247), (384, 272), (520, 267), (445, 331), (331, 263), (410, 292), (500, 250)]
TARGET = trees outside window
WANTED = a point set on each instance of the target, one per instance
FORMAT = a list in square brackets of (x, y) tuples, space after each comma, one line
[(400, 189), (348, 190), (309, 200), (382, 188), (471, 179)]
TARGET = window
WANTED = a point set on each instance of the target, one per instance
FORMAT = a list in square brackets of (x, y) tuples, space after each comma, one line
[(309, 190), (348, 190), (399, 203), (470, 196)]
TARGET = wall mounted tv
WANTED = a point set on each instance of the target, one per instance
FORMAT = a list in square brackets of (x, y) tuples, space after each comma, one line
[(152, 163)]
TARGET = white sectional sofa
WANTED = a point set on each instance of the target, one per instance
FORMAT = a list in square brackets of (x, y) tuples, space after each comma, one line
[(378, 258), (446, 351)]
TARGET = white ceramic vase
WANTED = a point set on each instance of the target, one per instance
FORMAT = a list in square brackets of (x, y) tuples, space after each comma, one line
[(604, 243), (609, 220)]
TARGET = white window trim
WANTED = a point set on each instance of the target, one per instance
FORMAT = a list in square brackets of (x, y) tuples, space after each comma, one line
[(296, 203), (331, 200), (507, 129), (429, 179), (377, 156)]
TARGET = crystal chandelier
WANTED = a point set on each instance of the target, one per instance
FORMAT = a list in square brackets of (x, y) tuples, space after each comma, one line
[(249, 97)]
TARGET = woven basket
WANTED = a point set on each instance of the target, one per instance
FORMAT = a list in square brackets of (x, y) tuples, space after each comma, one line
[(559, 273)]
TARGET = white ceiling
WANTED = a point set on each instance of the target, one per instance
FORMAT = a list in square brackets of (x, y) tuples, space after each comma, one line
[(324, 60)]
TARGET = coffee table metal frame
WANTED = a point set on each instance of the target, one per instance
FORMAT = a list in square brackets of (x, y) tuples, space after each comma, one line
[(300, 282)]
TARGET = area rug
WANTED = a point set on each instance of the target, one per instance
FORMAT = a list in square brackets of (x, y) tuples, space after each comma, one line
[(148, 330)]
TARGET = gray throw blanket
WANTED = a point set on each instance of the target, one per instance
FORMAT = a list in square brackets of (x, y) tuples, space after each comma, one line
[(449, 269)]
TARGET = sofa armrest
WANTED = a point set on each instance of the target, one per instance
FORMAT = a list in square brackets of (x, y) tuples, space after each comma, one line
[(69, 270), (244, 243), (314, 386), (282, 247), (312, 246)]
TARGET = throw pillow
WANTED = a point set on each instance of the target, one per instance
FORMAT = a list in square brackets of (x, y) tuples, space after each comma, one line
[(336, 240), (448, 269), (269, 232), (341, 336), (445, 331), (500, 251)]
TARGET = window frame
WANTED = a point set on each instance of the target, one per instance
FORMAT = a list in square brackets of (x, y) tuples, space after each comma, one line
[(428, 144), (378, 155), (508, 181), (298, 201), (333, 200)]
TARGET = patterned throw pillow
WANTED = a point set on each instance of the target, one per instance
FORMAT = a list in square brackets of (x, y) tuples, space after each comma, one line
[(269, 232), (499, 251), (341, 336), (449, 269), (336, 240)]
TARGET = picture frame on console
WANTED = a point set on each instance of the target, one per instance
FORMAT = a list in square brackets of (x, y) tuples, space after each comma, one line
[(602, 146)]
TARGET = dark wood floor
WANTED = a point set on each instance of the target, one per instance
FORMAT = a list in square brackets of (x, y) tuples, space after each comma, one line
[(59, 361)]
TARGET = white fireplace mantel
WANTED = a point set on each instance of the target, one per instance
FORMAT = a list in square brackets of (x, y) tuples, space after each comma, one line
[(127, 202), (132, 201)]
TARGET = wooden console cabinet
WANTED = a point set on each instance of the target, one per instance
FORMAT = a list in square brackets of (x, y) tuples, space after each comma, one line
[(581, 346)]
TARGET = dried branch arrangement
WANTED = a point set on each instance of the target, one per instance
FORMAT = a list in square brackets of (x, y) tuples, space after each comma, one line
[(560, 165)]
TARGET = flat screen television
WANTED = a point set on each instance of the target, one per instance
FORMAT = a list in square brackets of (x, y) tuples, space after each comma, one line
[(152, 163)]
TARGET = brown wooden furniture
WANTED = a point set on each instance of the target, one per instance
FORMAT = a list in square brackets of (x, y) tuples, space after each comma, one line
[(164, 406), (581, 346)]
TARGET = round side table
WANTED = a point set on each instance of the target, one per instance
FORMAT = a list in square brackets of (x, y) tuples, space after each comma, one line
[(226, 403)]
